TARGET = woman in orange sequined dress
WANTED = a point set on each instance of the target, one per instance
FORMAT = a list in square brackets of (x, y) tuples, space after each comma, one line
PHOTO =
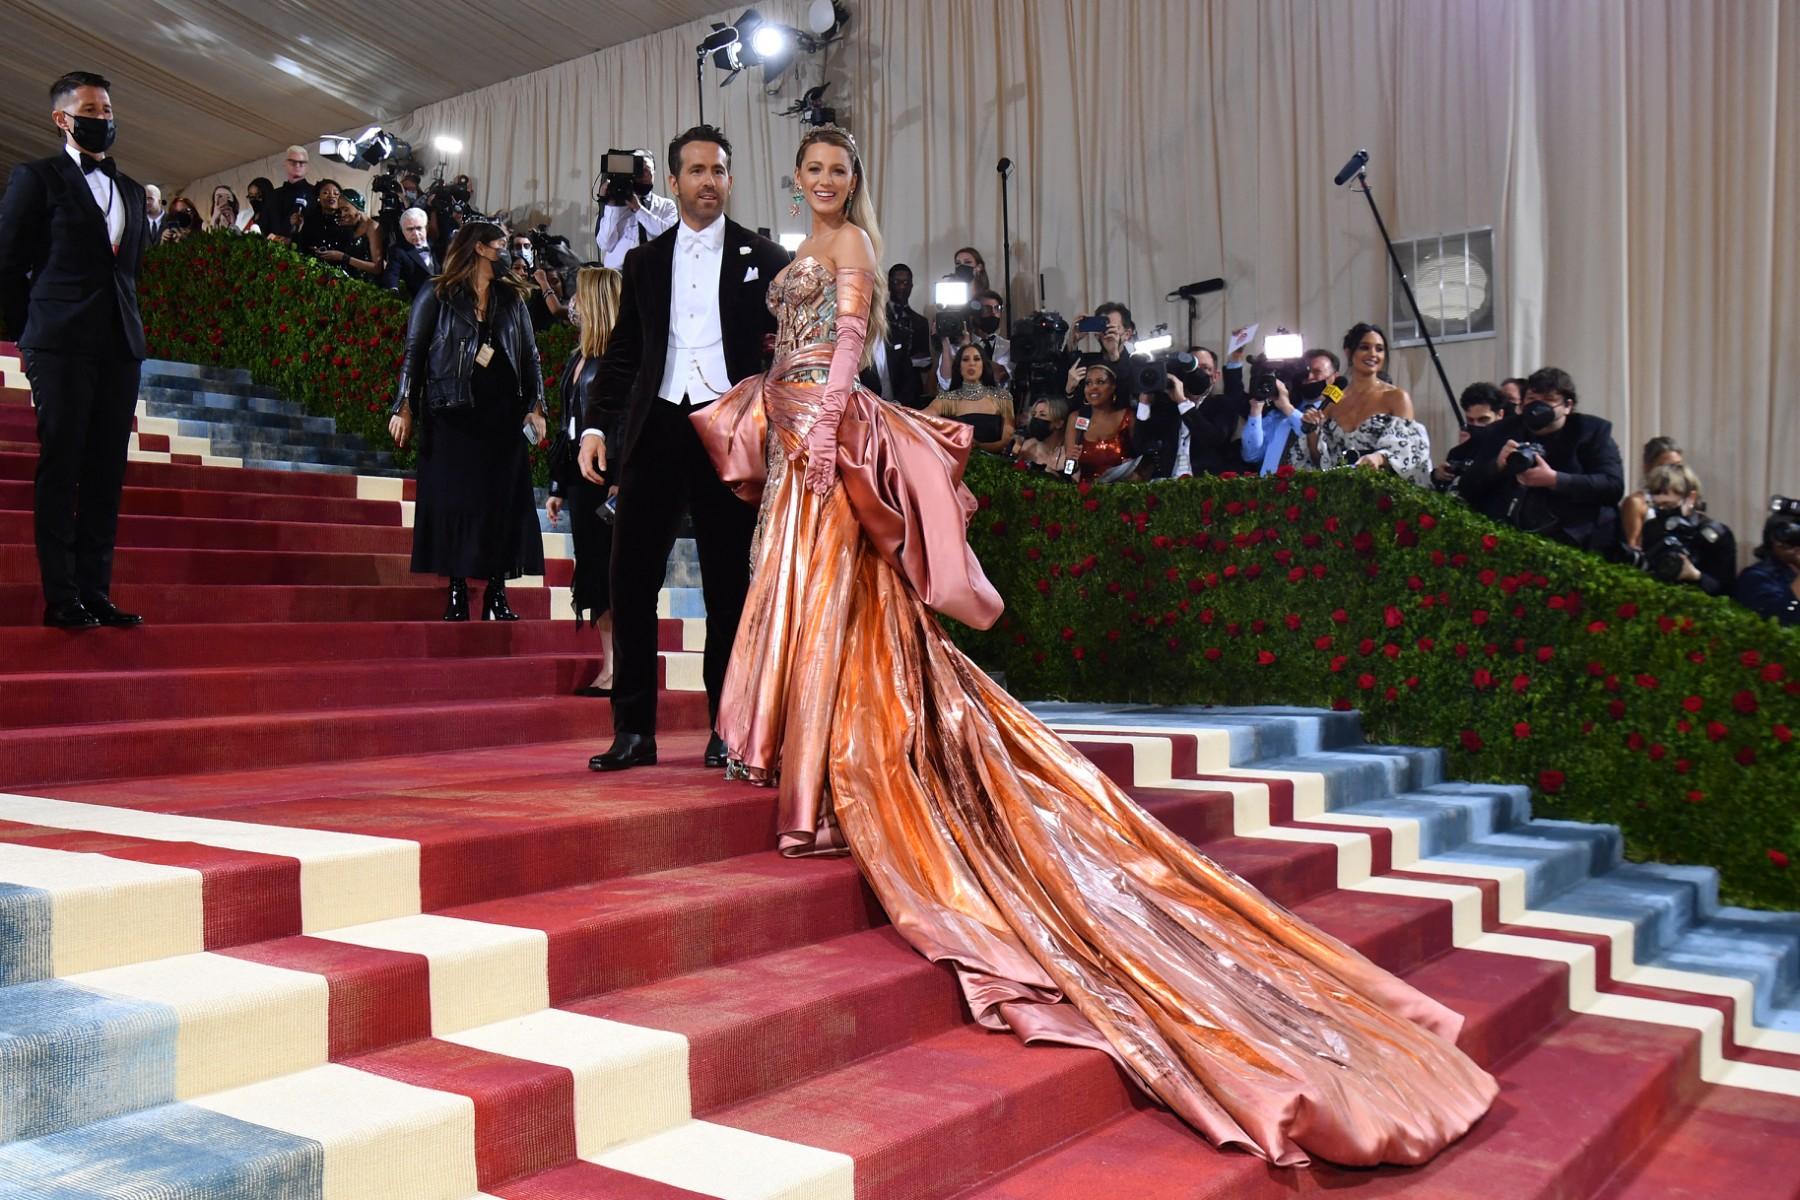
[(1068, 913)]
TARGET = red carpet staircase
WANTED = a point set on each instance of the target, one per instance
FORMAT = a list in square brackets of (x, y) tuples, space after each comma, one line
[(312, 896)]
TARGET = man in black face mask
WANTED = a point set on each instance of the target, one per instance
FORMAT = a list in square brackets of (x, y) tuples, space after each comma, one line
[(901, 362), (1550, 469), (987, 316), (72, 233), (633, 218)]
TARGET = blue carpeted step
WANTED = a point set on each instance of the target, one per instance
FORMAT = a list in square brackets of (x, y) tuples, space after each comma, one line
[(191, 409), (210, 379), (1451, 815)]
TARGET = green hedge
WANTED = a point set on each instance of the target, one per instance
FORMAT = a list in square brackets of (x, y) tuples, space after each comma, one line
[(1616, 698), (331, 343)]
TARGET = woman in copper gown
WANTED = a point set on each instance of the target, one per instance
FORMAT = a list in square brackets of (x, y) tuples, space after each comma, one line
[(1068, 913)]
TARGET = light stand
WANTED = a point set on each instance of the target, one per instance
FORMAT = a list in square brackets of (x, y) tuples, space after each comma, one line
[(1005, 166), (1362, 185)]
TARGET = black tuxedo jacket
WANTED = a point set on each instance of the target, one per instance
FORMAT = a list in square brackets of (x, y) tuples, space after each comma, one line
[(405, 271), (61, 285), (279, 205), (636, 356)]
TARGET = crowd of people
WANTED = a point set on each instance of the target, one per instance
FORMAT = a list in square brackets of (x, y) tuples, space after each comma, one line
[(1093, 409)]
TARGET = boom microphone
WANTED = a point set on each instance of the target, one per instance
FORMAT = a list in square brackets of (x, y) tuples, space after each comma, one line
[(1188, 291), (1357, 162)]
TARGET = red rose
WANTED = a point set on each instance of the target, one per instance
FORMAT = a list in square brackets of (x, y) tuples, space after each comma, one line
[(1489, 542), (1779, 859), (1782, 734), (1715, 732), (1427, 521), (1391, 650), (1322, 643), (1693, 703), (1365, 681), (1744, 702), (1483, 678), (1596, 627), (1080, 652), (1746, 757), (1393, 618), (1648, 681), (1522, 730), (1341, 617), (1551, 782), (1337, 664), (1174, 644), (1773, 673), (1412, 681), (1068, 635), (1696, 797), (1479, 616), (1471, 741), (1427, 645), (1341, 705), (1033, 553), (1296, 574), (1043, 586), (1521, 682), (1627, 611), (1658, 752), (1292, 620), (1683, 766), (1385, 504), (1265, 658), (1634, 741), (1213, 653), (1616, 710), (1546, 653)]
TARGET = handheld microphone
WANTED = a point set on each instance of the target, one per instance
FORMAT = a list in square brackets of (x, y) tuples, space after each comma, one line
[(1202, 287), (1357, 162), (1004, 166), (1334, 391)]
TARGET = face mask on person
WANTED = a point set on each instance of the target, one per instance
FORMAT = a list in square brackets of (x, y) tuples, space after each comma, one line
[(988, 323), (1037, 429), (1202, 383), (503, 262), (642, 187), (93, 134), (1538, 416), (523, 254)]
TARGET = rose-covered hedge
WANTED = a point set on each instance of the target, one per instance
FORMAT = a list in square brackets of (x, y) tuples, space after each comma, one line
[(330, 343), (1616, 698)]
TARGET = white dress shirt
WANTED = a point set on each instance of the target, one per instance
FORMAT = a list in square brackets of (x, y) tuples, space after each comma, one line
[(106, 197), (1184, 461), (620, 228), (696, 360)]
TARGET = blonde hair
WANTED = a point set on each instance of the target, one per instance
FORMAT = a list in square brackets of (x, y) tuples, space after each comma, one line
[(597, 292), (861, 213), (1676, 478)]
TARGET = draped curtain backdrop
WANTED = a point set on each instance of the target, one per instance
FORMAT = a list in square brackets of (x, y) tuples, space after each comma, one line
[(1628, 153)]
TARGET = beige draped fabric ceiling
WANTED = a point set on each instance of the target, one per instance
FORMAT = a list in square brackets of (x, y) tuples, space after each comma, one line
[(1633, 157)]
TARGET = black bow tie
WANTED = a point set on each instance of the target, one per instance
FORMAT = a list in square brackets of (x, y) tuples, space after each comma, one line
[(105, 166)]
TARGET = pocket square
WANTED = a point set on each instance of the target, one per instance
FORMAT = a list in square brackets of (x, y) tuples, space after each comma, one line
[(751, 275), (743, 249)]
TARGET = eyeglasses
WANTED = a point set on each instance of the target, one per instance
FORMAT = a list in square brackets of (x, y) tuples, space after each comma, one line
[(297, 162)]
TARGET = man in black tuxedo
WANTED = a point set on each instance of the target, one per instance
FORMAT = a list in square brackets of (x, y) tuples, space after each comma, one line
[(410, 265), (72, 233), (898, 372), (693, 321)]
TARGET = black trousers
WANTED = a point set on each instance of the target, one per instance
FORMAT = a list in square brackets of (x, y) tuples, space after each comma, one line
[(85, 404), (666, 475)]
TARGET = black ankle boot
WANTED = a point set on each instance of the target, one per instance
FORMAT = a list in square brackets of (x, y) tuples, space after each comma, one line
[(458, 607), (493, 603)]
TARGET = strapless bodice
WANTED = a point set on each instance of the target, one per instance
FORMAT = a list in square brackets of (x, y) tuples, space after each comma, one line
[(803, 298)]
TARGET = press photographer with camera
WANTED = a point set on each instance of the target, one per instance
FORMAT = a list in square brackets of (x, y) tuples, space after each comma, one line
[(1550, 469), (181, 220), (1111, 331), (1658, 452), (631, 213), (543, 295), (1183, 427), (1680, 543), (1771, 585), (449, 205), (981, 328), (1274, 417), (1483, 404), (978, 401)]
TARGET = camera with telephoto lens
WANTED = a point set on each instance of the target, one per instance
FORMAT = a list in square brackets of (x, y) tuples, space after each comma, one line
[(1671, 535), (1040, 364), (1280, 361), (1150, 376), (619, 171), (552, 253), (452, 198)]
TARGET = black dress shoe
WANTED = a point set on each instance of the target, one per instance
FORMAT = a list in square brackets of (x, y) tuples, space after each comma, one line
[(108, 613), (628, 750), (70, 615), (591, 690), (457, 606), (715, 752)]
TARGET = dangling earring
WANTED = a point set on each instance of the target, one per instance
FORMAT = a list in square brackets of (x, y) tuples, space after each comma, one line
[(799, 199)]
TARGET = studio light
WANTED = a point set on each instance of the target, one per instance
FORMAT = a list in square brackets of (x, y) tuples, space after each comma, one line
[(791, 241), (951, 293), (443, 143), (1156, 343), (769, 42)]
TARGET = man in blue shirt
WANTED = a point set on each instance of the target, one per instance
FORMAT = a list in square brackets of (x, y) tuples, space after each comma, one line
[(1772, 586), (1269, 427)]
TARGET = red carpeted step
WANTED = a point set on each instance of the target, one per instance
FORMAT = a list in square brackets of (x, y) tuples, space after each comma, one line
[(200, 604), (215, 534), (589, 1181), (22, 465), (822, 1005), (1733, 1142), (113, 751), (139, 565), (33, 649), (79, 698), (622, 932), (15, 496), (930, 1118), (17, 397)]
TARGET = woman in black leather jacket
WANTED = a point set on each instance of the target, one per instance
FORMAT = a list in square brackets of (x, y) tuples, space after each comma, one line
[(471, 381), (595, 309)]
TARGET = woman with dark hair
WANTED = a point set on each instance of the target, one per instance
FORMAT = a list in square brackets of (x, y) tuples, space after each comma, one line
[(971, 258), (224, 209), (255, 193), (978, 401), (1373, 425), (183, 218), (469, 378), (1099, 434)]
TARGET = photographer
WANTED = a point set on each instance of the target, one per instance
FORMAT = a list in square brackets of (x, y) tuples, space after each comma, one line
[(1185, 428), (631, 212), (182, 219), (978, 401), (1272, 421), (1112, 329), (284, 212), (1771, 586), (1681, 544), (1483, 404), (1550, 469), (982, 329), (449, 205), (1658, 452), (543, 295)]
